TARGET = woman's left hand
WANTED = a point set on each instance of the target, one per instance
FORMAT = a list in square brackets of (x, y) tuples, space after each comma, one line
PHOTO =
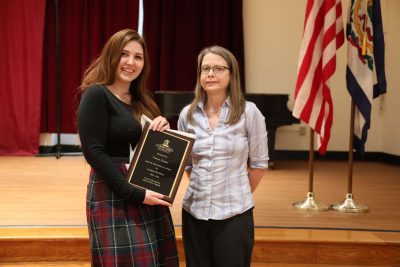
[(159, 124)]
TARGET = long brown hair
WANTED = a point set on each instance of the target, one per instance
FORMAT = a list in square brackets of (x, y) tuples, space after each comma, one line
[(234, 90), (102, 71)]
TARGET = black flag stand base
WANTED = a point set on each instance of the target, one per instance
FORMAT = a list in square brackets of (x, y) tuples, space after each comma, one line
[(348, 205), (310, 204)]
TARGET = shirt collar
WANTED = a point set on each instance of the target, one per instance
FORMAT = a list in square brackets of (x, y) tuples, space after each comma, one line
[(227, 103)]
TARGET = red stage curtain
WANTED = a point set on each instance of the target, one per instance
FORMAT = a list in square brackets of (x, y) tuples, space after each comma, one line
[(176, 31), (21, 47), (85, 26)]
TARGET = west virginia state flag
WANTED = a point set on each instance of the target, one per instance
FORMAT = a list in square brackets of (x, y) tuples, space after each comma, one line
[(365, 73)]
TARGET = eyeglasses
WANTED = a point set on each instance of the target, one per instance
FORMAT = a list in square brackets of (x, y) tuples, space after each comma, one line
[(216, 69)]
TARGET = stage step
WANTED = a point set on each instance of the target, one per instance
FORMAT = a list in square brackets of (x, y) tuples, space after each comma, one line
[(273, 247), (181, 264)]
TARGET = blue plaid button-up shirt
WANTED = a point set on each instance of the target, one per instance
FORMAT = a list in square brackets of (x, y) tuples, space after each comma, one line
[(219, 186)]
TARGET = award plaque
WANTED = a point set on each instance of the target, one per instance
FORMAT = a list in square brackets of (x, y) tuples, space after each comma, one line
[(159, 161)]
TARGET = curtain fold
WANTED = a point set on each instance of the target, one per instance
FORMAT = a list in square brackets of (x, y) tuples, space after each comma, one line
[(176, 31), (27, 62), (84, 28), (21, 48)]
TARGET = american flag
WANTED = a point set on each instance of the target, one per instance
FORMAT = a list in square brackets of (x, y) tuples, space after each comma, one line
[(323, 35), (365, 73)]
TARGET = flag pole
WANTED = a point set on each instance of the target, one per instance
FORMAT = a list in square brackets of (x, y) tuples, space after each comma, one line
[(348, 205), (310, 203)]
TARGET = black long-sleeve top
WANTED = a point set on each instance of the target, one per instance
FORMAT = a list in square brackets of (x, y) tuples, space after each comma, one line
[(106, 128)]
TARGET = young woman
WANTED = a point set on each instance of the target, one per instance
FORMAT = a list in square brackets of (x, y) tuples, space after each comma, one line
[(228, 160), (127, 226)]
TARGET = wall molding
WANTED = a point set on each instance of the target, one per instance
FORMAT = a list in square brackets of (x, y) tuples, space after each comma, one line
[(278, 155), (337, 155)]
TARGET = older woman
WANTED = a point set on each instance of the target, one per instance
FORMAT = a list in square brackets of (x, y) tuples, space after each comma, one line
[(228, 160)]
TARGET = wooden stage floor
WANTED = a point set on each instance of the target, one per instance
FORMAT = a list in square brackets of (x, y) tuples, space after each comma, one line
[(46, 192), (42, 203)]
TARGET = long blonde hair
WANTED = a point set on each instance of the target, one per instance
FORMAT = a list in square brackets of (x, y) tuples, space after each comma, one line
[(102, 71), (234, 90)]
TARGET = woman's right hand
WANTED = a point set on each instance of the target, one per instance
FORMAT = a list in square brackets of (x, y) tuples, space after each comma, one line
[(154, 198)]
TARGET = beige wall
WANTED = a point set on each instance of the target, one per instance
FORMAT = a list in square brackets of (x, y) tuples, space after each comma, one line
[(273, 31)]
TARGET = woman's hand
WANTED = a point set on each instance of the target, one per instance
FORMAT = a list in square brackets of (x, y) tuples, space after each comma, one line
[(159, 124), (154, 198)]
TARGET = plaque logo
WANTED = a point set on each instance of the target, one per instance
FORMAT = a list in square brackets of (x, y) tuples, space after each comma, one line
[(164, 147)]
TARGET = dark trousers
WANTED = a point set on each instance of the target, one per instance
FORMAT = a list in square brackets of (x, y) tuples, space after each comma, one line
[(218, 243)]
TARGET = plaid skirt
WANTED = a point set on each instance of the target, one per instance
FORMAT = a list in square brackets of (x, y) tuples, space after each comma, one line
[(125, 234)]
